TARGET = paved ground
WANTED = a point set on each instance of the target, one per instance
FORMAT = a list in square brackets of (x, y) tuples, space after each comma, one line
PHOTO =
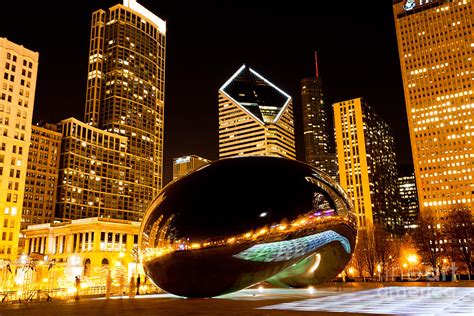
[(355, 298)]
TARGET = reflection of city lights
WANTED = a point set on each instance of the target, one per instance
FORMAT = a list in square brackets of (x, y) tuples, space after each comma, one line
[(316, 263)]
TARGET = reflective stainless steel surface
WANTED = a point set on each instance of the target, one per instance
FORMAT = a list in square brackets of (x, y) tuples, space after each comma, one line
[(239, 221)]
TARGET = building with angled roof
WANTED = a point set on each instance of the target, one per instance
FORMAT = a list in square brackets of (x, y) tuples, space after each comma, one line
[(255, 117)]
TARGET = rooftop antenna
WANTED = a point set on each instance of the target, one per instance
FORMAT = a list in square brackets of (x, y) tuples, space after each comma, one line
[(316, 62)]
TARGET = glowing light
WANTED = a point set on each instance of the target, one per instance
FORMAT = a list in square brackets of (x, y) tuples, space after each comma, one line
[(263, 214), (260, 288), (310, 289), (121, 255), (316, 263), (412, 258), (351, 270)]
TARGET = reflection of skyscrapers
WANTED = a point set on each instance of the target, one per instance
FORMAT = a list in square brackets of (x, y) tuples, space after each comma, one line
[(367, 163), (318, 135), (408, 199), (255, 117), (436, 53), (185, 164), (42, 175), (125, 96), (18, 70)]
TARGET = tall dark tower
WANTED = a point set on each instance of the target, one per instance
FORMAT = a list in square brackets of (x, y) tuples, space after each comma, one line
[(318, 135)]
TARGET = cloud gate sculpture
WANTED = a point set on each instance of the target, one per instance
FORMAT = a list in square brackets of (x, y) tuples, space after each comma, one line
[(239, 221)]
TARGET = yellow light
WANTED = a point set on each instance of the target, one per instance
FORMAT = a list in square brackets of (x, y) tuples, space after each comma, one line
[(404, 265), (260, 288), (351, 270), (71, 290), (445, 260), (310, 289), (84, 285), (121, 255), (412, 258), (195, 246), (231, 240), (379, 268), (262, 231), (45, 280), (248, 235)]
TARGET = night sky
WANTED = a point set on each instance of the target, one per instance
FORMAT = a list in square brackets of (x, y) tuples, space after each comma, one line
[(207, 41)]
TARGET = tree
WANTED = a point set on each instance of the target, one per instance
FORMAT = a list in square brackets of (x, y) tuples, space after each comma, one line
[(384, 249), (426, 236), (459, 231)]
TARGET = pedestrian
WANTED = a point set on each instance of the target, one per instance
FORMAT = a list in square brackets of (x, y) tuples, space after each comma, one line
[(131, 289), (138, 284), (78, 287)]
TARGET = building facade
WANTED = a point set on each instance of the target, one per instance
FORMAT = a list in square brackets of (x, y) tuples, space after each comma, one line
[(255, 117), (125, 93), (41, 184), (436, 53), (185, 164), (92, 173), (367, 163), (408, 200), (318, 134), (84, 247), (18, 71)]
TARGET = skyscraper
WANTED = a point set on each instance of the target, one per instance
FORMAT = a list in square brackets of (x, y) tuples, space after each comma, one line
[(408, 200), (318, 135), (42, 175), (125, 93), (255, 117), (367, 163), (18, 71), (185, 164), (436, 53)]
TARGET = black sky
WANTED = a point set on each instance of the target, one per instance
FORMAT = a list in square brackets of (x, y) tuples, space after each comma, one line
[(207, 41)]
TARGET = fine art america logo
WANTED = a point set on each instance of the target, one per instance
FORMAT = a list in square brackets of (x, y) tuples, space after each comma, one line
[(410, 4)]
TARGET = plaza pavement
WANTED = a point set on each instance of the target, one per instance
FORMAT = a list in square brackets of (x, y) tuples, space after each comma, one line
[(436, 298)]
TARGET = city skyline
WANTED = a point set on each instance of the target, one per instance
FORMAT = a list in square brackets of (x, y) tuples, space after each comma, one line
[(371, 71)]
